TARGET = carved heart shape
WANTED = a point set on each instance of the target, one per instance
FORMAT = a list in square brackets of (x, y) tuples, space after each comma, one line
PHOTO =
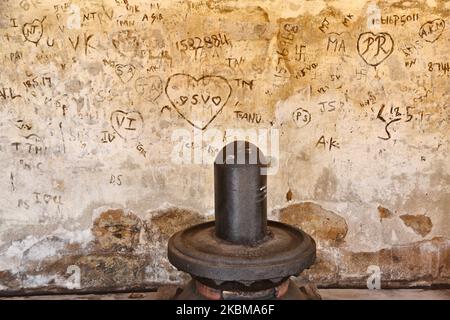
[(33, 31), (125, 72), (198, 101), (149, 87), (128, 125), (375, 48), (430, 31)]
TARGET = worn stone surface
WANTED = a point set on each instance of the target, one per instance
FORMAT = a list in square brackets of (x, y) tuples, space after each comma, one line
[(111, 113)]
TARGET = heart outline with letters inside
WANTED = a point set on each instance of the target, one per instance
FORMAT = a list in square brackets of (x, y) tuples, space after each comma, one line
[(125, 72), (35, 28), (123, 128), (204, 78), (439, 25), (385, 54)]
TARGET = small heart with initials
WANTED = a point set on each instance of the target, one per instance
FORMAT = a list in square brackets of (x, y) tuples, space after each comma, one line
[(33, 31), (375, 48), (128, 125), (198, 101), (430, 31), (125, 72)]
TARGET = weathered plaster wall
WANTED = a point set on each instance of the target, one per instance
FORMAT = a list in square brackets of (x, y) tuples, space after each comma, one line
[(95, 94)]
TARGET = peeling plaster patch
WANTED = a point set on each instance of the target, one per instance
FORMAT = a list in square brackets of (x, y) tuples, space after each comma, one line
[(9, 279), (409, 264), (384, 213), (10, 259), (49, 247), (321, 224), (169, 221), (115, 230), (159, 226), (289, 195), (38, 281), (421, 224), (81, 237), (38, 248)]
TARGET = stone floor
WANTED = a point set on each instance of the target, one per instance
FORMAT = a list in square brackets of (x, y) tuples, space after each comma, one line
[(393, 294), (167, 292)]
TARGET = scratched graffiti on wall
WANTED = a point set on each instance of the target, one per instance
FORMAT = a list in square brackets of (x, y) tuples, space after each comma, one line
[(91, 92)]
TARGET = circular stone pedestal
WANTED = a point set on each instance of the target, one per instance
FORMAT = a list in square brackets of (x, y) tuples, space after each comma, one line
[(284, 252)]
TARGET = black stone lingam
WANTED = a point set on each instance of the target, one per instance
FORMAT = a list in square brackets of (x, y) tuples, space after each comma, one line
[(241, 255)]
